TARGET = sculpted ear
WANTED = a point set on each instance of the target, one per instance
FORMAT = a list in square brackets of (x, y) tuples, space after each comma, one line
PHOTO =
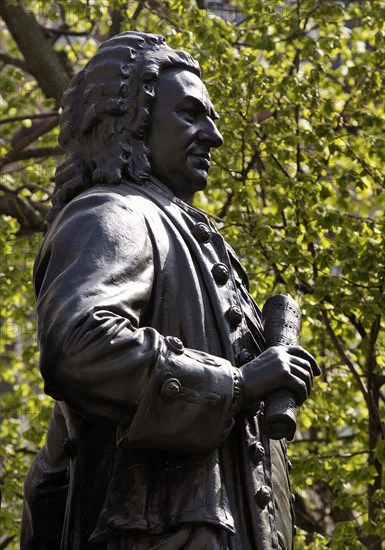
[(149, 88)]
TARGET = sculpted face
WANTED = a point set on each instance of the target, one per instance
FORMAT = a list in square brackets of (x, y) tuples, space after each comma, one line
[(182, 132)]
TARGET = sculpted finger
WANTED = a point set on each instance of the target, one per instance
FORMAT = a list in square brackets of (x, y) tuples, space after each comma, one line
[(305, 375), (300, 390), (301, 352), (304, 364)]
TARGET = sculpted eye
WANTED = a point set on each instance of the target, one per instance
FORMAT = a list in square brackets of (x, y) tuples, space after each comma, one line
[(189, 114)]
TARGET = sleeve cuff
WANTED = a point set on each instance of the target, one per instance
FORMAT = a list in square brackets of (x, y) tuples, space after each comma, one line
[(189, 404)]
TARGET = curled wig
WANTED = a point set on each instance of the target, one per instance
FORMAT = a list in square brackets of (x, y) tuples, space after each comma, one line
[(106, 114)]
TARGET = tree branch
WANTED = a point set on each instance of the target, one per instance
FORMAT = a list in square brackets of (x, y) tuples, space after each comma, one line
[(15, 61), (27, 117), (116, 20), (16, 207), (363, 164), (63, 31), (6, 542), (31, 136), (41, 59), (226, 206), (139, 8), (34, 152)]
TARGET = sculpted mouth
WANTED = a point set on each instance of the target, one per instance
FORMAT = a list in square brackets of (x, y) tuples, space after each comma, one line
[(203, 159)]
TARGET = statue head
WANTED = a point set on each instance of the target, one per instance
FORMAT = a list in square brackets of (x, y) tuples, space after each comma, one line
[(106, 113)]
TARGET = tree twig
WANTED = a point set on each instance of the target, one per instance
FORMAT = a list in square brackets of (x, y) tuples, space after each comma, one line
[(344, 357)]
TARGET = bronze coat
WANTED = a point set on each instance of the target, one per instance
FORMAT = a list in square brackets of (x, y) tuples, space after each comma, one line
[(144, 426)]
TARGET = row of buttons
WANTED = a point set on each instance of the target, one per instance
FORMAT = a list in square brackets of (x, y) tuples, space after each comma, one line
[(172, 387), (203, 234), (220, 272), (263, 495)]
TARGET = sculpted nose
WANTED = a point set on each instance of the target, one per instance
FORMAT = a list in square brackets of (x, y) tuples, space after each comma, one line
[(209, 133)]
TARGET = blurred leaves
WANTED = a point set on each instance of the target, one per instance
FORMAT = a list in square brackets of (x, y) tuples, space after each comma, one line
[(298, 189)]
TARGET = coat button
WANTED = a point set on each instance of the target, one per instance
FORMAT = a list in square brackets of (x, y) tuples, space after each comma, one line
[(69, 448), (263, 496), (220, 273), (244, 357), (170, 389), (234, 315), (202, 232), (258, 452), (174, 344)]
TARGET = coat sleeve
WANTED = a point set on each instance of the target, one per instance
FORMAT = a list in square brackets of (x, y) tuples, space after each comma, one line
[(93, 279)]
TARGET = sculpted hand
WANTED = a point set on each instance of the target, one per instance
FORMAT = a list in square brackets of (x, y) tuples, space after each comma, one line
[(277, 368)]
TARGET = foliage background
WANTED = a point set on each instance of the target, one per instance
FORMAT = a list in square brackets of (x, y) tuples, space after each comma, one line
[(298, 189)]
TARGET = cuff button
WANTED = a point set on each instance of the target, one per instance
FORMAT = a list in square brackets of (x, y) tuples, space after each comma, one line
[(174, 344), (170, 389)]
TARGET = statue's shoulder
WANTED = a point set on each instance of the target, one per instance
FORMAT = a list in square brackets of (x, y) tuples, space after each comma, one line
[(126, 193), (106, 207), (103, 211), (100, 201)]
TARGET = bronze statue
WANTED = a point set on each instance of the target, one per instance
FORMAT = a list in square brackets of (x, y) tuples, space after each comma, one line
[(150, 342)]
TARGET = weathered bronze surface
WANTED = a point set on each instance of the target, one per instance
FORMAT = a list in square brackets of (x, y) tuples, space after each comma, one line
[(150, 342)]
